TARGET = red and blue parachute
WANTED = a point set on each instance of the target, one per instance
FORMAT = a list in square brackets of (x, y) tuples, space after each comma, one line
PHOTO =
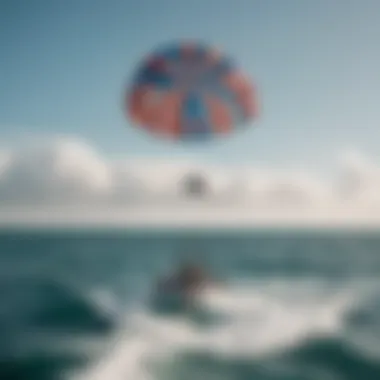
[(190, 91)]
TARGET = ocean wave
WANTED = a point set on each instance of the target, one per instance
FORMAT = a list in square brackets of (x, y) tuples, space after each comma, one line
[(262, 321)]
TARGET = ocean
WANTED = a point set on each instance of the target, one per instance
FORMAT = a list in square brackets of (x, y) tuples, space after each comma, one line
[(290, 306)]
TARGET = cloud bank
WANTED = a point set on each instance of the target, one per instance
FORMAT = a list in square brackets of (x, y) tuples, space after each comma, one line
[(68, 181)]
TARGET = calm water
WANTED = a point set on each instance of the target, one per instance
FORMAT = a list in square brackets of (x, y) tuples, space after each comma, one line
[(293, 306)]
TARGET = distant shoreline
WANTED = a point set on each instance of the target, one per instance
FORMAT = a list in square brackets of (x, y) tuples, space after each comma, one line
[(220, 231), (191, 220)]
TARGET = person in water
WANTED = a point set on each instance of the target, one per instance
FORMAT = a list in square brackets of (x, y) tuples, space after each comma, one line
[(187, 282), (189, 279)]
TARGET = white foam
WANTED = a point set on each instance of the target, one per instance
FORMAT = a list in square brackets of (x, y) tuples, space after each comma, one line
[(262, 318)]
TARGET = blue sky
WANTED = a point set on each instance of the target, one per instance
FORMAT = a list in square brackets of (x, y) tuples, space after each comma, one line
[(64, 66)]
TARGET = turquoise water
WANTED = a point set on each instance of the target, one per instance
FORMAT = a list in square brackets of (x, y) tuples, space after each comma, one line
[(292, 306)]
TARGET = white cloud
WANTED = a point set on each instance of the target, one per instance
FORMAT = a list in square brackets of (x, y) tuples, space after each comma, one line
[(58, 171), (65, 180), (359, 180), (286, 189)]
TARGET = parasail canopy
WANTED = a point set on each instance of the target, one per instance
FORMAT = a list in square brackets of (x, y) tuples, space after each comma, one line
[(190, 91)]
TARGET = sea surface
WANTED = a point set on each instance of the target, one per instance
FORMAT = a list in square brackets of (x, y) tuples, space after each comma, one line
[(289, 306)]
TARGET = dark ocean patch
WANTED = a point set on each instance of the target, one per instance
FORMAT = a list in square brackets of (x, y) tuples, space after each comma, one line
[(39, 367), (48, 304)]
